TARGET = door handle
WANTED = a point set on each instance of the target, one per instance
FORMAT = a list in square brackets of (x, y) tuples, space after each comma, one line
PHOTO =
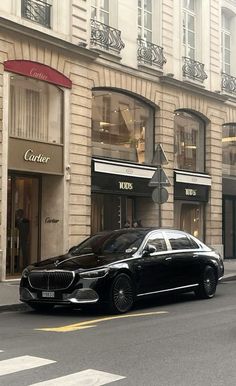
[(168, 258)]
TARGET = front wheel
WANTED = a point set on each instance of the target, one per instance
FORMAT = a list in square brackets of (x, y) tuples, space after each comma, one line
[(207, 285), (121, 294)]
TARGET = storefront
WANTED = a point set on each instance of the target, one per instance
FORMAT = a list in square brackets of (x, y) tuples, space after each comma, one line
[(229, 189), (35, 168), (123, 143), (120, 194), (191, 195)]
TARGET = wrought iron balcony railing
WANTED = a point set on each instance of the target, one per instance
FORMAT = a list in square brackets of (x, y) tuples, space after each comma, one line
[(37, 10), (151, 54), (193, 69), (228, 83), (105, 37)]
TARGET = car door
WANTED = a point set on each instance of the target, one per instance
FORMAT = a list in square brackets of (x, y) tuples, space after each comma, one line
[(154, 267), (185, 261)]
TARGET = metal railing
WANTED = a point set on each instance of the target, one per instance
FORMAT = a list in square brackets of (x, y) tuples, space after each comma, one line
[(37, 10), (105, 37), (193, 69), (228, 83), (149, 53)]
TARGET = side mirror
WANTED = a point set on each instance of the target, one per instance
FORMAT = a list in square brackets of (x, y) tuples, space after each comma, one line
[(149, 249)]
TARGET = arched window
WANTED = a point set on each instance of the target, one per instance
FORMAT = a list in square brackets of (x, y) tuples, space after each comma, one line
[(122, 127), (35, 111), (229, 149), (189, 142)]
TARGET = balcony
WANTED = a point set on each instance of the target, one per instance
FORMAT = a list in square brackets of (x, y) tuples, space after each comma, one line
[(105, 37), (228, 83), (193, 70), (150, 54), (37, 11)]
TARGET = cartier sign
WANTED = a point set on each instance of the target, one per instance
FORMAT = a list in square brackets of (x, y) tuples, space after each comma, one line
[(38, 74), (36, 157), (30, 156), (37, 70)]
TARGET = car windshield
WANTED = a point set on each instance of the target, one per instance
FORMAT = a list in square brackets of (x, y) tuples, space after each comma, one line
[(111, 242)]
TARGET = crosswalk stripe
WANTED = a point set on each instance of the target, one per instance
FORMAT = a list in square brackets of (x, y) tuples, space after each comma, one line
[(88, 377), (25, 362)]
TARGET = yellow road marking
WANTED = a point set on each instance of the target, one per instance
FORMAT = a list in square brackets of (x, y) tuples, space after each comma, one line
[(93, 323)]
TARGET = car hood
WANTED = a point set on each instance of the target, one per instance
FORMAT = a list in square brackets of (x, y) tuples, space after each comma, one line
[(86, 261)]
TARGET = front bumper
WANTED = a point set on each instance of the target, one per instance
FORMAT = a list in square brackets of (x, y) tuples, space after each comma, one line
[(78, 296)]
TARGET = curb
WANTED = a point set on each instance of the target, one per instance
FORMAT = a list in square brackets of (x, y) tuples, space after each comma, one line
[(228, 277), (14, 307)]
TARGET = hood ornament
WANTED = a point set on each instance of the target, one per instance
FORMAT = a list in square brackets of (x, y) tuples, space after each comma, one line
[(56, 263)]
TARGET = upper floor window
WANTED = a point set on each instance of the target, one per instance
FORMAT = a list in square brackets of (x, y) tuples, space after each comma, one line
[(189, 28), (38, 11), (189, 142), (122, 127), (229, 149), (225, 42), (35, 110), (145, 19), (100, 11)]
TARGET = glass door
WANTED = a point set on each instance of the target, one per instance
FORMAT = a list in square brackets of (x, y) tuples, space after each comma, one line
[(110, 212), (22, 223)]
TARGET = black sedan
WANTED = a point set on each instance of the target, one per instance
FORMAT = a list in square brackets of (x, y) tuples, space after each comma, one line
[(117, 267)]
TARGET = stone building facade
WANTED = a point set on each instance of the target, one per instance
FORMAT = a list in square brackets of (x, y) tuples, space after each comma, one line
[(85, 100)]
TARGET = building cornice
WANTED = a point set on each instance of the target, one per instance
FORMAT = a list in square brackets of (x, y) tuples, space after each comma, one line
[(66, 46), (193, 88)]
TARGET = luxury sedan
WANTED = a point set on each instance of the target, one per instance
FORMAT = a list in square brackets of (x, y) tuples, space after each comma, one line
[(115, 268)]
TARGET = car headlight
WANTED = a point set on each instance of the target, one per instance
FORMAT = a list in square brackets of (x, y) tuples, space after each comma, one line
[(25, 273), (94, 274)]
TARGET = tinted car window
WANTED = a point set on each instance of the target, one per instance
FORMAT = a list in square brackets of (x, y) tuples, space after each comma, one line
[(158, 241), (120, 243), (179, 241), (110, 242), (194, 244)]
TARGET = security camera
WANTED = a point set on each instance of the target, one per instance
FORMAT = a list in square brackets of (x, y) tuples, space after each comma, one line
[(68, 167)]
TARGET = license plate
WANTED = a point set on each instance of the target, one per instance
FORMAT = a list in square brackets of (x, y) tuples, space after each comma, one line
[(48, 294)]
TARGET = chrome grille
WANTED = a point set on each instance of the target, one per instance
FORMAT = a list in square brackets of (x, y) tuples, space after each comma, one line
[(51, 280)]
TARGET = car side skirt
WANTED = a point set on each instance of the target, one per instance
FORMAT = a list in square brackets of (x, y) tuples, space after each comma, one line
[(169, 289)]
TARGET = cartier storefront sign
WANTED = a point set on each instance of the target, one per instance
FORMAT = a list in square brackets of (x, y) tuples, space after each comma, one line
[(31, 156)]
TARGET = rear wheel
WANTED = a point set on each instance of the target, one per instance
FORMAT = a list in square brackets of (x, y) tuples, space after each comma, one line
[(207, 285), (39, 307), (121, 294)]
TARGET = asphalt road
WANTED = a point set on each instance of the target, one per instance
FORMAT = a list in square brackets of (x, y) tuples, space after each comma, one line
[(177, 341)]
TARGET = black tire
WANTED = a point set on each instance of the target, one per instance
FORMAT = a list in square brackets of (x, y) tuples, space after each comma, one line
[(121, 294), (207, 285), (39, 307)]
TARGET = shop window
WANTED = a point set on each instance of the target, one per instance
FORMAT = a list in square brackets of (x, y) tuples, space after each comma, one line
[(229, 149), (122, 127), (35, 111), (189, 217), (189, 142)]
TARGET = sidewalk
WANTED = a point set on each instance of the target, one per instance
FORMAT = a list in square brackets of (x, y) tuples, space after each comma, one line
[(9, 290)]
